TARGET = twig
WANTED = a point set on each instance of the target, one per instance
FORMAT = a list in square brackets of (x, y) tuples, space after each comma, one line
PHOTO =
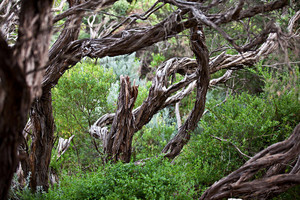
[(224, 140), (216, 105), (134, 17)]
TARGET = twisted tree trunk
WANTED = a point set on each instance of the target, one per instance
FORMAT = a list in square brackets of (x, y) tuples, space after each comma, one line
[(21, 72), (14, 104), (42, 141), (41, 115), (174, 146), (118, 145)]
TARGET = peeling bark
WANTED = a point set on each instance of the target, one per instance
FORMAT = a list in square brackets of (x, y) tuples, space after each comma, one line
[(120, 137), (41, 115), (67, 51), (14, 104), (21, 72), (173, 148), (42, 142), (193, 70)]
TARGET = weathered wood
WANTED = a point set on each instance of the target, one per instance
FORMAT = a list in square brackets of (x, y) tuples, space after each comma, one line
[(63, 145), (162, 92), (21, 72), (42, 142), (67, 51), (119, 140), (174, 146), (41, 113), (245, 182), (187, 67), (14, 103)]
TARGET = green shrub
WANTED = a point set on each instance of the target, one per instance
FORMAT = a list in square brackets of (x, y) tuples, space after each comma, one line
[(157, 59), (156, 179), (120, 7), (80, 97), (250, 122), (152, 138), (122, 65)]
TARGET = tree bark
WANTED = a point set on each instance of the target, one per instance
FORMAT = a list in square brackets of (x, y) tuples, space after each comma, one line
[(14, 105), (269, 173), (123, 127), (42, 141), (39, 154), (160, 92), (67, 52), (21, 74), (174, 146)]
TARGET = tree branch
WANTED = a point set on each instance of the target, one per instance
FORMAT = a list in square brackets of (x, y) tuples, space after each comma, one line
[(89, 5), (240, 183)]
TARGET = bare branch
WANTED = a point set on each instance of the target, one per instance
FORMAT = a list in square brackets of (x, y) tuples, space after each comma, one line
[(89, 5), (121, 43), (221, 79), (135, 17), (250, 12), (292, 22), (187, 67), (178, 118), (224, 140), (63, 145)]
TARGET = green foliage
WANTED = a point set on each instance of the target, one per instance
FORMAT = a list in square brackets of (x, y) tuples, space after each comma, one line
[(151, 139), (143, 93), (282, 89), (84, 90), (122, 65), (120, 7), (207, 160), (246, 120), (292, 193), (156, 179), (157, 59), (250, 122), (112, 97), (78, 100), (24, 192)]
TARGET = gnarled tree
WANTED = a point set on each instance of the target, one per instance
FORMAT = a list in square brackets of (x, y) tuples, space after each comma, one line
[(198, 16), (21, 74)]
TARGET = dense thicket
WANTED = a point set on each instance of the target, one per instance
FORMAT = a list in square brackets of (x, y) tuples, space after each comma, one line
[(134, 107)]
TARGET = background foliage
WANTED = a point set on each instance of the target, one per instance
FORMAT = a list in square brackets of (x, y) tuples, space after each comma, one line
[(262, 107)]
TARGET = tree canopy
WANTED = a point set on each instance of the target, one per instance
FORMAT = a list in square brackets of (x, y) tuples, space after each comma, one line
[(116, 77)]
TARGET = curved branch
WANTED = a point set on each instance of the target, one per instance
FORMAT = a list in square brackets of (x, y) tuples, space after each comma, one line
[(86, 6), (250, 12), (224, 140), (240, 183), (187, 66), (125, 42), (174, 146)]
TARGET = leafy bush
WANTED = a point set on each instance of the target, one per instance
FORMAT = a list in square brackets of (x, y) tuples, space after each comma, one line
[(123, 65), (84, 89), (250, 122), (156, 179), (120, 7), (78, 100), (157, 59), (152, 138)]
